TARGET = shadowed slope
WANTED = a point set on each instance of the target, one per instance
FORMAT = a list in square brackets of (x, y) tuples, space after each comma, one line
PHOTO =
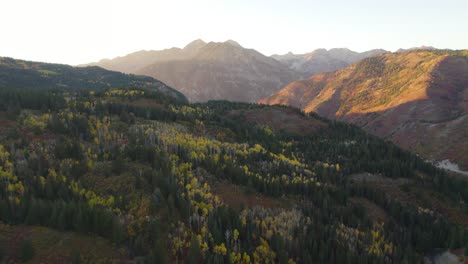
[(223, 71), (207, 71), (38, 75)]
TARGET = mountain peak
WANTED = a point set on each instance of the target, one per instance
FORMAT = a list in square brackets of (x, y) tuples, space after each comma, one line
[(233, 43), (320, 50), (416, 48), (196, 44), (340, 50)]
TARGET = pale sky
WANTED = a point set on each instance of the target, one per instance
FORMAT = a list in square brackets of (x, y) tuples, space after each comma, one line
[(74, 32)]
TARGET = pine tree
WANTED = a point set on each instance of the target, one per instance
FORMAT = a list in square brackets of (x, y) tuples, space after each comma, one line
[(26, 250), (194, 253), (76, 257), (158, 254)]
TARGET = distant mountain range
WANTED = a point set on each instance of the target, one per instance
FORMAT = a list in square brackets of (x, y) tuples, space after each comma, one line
[(322, 60), (227, 71), (417, 98), (206, 71), (417, 48), (38, 75)]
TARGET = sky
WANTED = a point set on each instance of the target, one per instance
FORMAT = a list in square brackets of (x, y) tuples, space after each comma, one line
[(76, 32)]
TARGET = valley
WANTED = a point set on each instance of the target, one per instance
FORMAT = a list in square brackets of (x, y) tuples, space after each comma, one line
[(157, 179), (233, 132)]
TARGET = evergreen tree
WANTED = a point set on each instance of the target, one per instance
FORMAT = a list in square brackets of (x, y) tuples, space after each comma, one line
[(194, 253), (26, 250)]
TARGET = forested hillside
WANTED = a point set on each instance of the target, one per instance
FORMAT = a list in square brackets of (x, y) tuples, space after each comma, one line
[(143, 177), (38, 76)]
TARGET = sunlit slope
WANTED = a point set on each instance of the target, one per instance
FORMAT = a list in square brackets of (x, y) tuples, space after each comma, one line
[(418, 99)]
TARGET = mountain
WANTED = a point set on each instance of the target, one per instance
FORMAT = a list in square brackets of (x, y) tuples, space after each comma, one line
[(133, 62), (206, 71), (126, 176), (322, 60), (418, 99), (416, 48), (37, 75)]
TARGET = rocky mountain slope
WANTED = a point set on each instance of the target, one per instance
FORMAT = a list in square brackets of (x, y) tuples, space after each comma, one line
[(206, 71), (133, 62), (418, 99)]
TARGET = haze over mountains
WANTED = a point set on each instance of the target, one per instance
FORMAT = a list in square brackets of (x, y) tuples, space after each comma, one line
[(234, 132), (322, 60), (124, 169), (205, 71), (225, 70), (418, 99), (111, 173)]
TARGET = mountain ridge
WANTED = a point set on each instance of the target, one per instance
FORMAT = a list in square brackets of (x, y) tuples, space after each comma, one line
[(210, 71), (416, 98), (109, 172), (323, 60), (20, 73)]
